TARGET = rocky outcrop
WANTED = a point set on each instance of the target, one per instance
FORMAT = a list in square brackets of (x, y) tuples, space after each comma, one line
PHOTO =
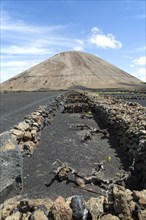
[(10, 166)]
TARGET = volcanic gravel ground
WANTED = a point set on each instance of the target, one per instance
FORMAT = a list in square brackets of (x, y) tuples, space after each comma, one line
[(61, 140), (14, 106)]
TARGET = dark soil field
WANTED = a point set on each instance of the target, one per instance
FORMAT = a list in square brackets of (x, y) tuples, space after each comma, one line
[(14, 106), (63, 140)]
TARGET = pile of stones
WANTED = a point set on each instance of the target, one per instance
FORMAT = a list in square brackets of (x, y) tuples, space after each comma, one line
[(123, 205)]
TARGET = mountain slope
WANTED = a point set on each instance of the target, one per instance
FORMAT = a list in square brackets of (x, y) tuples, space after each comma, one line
[(70, 69)]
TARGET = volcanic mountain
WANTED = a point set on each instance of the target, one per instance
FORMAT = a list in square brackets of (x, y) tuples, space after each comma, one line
[(69, 70)]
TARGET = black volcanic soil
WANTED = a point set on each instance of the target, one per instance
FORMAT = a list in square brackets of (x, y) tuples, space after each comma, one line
[(62, 141), (14, 106)]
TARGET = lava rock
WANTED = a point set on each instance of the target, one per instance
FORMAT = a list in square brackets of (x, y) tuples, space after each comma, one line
[(78, 207), (10, 166), (95, 207), (61, 210)]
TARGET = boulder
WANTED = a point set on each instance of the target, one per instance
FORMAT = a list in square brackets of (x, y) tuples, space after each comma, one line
[(27, 136), (23, 126), (109, 217), (123, 202), (38, 215), (61, 210), (15, 216), (140, 198), (18, 133), (95, 206), (10, 166), (78, 208), (142, 214)]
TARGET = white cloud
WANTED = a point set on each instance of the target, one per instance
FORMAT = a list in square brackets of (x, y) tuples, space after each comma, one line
[(131, 65), (78, 48), (81, 42), (79, 45), (140, 61), (142, 71), (103, 41), (11, 68), (127, 57), (25, 50), (140, 74), (95, 30)]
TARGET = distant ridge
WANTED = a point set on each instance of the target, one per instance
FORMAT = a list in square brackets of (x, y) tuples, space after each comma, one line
[(71, 69)]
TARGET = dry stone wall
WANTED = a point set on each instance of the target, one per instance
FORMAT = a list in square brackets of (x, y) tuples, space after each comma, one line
[(127, 122)]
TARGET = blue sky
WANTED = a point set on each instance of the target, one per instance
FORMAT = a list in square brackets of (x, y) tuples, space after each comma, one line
[(33, 31)]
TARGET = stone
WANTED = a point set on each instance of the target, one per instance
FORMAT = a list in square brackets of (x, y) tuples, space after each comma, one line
[(15, 216), (80, 182), (29, 146), (47, 203), (142, 214), (10, 166), (27, 136), (61, 210), (38, 215), (143, 132), (6, 210), (109, 217), (25, 207), (79, 210), (140, 197), (18, 133), (34, 133), (95, 206), (122, 203), (23, 126), (26, 216), (63, 173)]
